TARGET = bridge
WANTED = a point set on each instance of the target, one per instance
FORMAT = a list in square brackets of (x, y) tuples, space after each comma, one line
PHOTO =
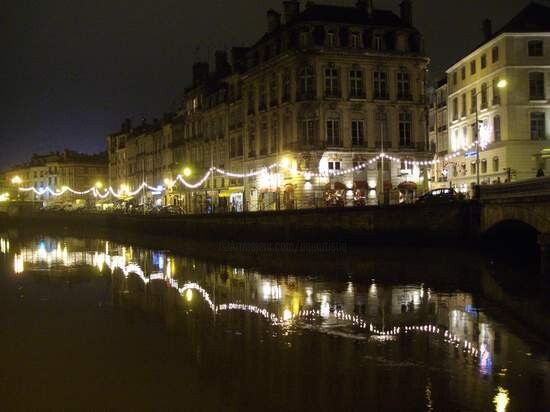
[(517, 208)]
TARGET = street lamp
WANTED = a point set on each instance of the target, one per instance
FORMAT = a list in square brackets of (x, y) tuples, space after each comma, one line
[(500, 85), (187, 172), (98, 185), (16, 180)]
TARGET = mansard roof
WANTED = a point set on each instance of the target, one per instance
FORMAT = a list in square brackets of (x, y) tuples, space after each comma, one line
[(533, 18), (351, 15)]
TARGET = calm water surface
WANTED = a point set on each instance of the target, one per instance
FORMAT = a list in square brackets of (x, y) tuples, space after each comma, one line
[(94, 325)]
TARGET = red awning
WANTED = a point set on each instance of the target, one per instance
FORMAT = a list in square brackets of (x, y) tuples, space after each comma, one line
[(407, 186)]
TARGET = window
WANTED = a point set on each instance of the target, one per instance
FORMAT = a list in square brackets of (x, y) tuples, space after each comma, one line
[(252, 140), (473, 101), (463, 73), (331, 39), (496, 128), (355, 40), (333, 132), (304, 38), (483, 61), (463, 100), (536, 86), (484, 166), (306, 82), (357, 132), (274, 135), (251, 99), (484, 96), (331, 82), (273, 92), (464, 141), (538, 126), (286, 85), (333, 165), (308, 132), (473, 168), (403, 86), (455, 108), (378, 42), (494, 54), (356, 84), (473, 67), (496, 91), (380, 85), (262, 95), (263, 139), (495, 164), (535, 48), (405, 134)]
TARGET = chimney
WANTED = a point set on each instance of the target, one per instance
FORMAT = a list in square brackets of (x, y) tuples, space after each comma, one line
[(126, 126), (273, 20), (222, 65), (365, 6), (200, 72), (406, 11), (238, 58), (291, 10), (487, 28)]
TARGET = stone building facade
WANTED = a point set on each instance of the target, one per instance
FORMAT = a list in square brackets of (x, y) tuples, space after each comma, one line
[(514, 122), (57, 170), (325, 89)]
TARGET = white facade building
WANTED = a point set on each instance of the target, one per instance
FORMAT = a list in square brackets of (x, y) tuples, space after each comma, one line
[(513, 122)]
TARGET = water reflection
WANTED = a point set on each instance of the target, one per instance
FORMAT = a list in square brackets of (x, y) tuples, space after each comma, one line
[(291, 302), (358, 310)]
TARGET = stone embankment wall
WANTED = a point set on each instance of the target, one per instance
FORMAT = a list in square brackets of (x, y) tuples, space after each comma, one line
[(404, 225)]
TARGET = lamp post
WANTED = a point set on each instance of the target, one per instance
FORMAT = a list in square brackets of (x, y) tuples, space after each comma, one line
[(501, 85)]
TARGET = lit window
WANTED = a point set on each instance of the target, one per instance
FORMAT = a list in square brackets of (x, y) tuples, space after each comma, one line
[(538, 126)]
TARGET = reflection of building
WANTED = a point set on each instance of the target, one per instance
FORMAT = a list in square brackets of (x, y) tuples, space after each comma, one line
[(57, 170), (326, 89), (514, 123)]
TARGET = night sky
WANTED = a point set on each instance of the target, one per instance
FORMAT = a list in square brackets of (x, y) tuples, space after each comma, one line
[(72, 70)]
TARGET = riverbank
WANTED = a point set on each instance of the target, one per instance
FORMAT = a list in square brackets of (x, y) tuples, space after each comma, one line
[(453, 223)]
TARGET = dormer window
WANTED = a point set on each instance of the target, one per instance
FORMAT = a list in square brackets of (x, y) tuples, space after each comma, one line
[(355, 40), (331, 38), (378, 42), (304, 38)]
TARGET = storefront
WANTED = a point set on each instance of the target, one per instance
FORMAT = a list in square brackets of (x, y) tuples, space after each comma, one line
[(231, 200), (335, 194)]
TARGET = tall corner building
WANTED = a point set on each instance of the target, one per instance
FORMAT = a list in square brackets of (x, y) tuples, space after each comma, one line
[(514, 121), (326, 88)]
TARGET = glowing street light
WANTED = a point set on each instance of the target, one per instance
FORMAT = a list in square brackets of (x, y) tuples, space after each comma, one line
[(16, 180), (187, 172), (502, 84), (99, 185)]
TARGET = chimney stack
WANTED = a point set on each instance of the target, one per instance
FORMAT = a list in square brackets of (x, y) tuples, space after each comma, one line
[(406, 11), (273, 20), (238, 58), (487, 28), (222, 64), (200, 72), (365, 5), (291, 10)]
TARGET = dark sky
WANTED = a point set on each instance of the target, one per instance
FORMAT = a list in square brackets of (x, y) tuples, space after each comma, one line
[(72, 70)]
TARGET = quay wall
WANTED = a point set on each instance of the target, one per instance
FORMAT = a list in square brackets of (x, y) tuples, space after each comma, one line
[(442, 224)]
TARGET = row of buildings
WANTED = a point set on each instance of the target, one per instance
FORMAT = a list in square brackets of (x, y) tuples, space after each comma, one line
[(326, 90), (58, 170)]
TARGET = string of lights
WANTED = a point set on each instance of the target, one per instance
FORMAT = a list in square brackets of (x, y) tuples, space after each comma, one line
[(124, 192)]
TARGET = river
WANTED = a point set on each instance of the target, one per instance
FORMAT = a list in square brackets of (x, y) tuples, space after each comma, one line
[(98, 325)]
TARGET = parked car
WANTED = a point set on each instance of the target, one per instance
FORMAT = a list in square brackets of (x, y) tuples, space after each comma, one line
[(445, 195)]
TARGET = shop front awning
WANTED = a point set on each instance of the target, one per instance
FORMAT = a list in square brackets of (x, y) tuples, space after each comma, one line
[(230, 191)]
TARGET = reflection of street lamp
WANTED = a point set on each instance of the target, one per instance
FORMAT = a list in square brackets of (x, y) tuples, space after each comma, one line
[(500, 85)]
